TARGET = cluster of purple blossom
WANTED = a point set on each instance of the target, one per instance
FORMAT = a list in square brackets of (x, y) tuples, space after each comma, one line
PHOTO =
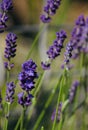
[(10, 92), (10, 49), (27, 81), (73, 90), (58, 116), (50, 10), (5, 6), (55, 49), (79, 40), (0, 100)]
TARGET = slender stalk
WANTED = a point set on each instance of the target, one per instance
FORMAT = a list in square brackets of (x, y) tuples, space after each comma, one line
[(60, 95), (37, 88), (8, 75), (42, 128), (22, 119), (46, 105), (34, 42), (18, 123), (6, 116)]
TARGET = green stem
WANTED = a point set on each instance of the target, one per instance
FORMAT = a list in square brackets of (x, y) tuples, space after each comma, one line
[(39, 84), (18, 123), (8, 75), (22, 120), (6, 116), (58, 101), (37, 88), (42, 128), (34, 42), (46, 105)]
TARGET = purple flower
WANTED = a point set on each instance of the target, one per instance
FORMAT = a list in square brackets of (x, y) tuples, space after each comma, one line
[(24, 100), (79, 40), (45, 19), (49, 10), (6, 5), (68, 52), (80, 37), (55, 49), (73, 90), (58, 116), (8, 66), (80, 21), (0, 100), (3, 20), (10, 92), (28, 75), (84, 38), (10, 49), (45, 66), (29, 65)]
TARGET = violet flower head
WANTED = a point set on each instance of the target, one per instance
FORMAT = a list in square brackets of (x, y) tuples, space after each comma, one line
[(10, 92), (58, 116), (84, 38), (24, 100), (73, 91), (0, 100), (68, 52), (28, 75), (49, 10), (45, 66), (6, 5), (10, 49), (80, 21), (77, 36), (3, 20), (55, 49)]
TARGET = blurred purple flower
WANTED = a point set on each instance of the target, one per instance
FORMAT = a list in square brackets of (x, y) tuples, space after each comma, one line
[(10, 92), (0, 100), (6, 5), (58, 116), (45, 66), (24, 100), (55, 49), (28, 75), (10, 49), (73, 90), (50, 9)]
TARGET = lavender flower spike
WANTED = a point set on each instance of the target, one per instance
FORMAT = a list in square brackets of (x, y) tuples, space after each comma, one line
[(55, 49), (24, 100), (28, 75), (0, 100), (73, 91), (10, 49), (6, 5), (58, 116), (10, 92), (49, 10)]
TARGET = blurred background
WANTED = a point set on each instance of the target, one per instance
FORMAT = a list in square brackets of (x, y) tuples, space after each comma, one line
[(24, 20)]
